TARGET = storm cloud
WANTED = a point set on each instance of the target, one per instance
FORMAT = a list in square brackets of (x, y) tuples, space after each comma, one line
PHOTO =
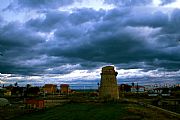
[(52, 39)]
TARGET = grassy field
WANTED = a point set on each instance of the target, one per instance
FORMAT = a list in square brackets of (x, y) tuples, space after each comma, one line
[(97, 111)]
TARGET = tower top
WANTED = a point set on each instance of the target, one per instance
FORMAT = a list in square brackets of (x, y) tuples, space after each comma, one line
[(108, 70)]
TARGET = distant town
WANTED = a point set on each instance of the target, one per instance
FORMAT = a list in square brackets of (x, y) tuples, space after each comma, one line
[(16, 100)]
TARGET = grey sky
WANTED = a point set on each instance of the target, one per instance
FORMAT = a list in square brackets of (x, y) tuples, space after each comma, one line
[(70, 40)]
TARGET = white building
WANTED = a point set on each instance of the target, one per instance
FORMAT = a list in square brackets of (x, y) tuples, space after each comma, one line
[(137, 89)]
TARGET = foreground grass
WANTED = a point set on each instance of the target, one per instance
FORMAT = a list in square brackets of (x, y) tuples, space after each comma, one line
[(97, 111)]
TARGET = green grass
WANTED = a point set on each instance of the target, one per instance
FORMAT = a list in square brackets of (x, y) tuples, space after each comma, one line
[(96, 111), (79, 111)]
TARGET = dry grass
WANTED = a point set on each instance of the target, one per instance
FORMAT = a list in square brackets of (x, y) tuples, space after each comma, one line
[(150, 114)]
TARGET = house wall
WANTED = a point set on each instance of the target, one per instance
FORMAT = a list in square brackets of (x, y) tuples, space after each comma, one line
[(35, 103), (50, 89), (65, 89)]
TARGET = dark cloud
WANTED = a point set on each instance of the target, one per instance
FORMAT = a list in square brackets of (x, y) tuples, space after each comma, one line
[(128, 2), (51, 21), (157, 19), (174, 23), (62, 20), (109, 40), (169, 65), (84, 15), (41, 4), (13, 35), (59, 42), (1, 20), (16, 45), (164, 2)]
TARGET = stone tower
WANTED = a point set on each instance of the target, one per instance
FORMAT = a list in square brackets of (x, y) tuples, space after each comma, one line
[(108, 85)]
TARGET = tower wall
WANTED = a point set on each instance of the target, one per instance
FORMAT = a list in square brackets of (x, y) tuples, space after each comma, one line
[(108, 85)]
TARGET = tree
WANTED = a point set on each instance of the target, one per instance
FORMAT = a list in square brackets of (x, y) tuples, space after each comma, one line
[(16, 84), (26, 92)]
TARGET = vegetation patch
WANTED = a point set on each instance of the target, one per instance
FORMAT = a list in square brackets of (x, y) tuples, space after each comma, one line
[(96, 111)]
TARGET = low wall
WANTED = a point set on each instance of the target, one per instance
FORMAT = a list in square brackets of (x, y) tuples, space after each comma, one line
[(51, 103)]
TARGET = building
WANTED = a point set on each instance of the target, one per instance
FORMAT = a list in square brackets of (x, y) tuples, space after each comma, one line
[(160, 92), (17, 91), (137, 89), (148, 87), (7, 93), (32, 91), (108, 84), (50, 88), (64, 89), (33, 103), (124, 88)]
